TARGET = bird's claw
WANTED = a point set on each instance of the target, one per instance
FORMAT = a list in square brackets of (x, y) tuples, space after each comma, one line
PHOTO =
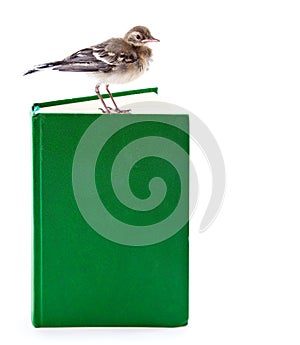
[(110, 110), (106, 111), (122, 111)]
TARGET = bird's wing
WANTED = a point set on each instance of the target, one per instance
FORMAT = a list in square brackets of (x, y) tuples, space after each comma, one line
[(83, 61), (115, 52), (104, 57)]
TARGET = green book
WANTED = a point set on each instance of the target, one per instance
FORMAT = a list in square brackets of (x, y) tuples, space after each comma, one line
[(110, 240)]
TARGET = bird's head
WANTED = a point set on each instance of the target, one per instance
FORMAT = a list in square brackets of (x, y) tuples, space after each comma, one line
[(139, 35)]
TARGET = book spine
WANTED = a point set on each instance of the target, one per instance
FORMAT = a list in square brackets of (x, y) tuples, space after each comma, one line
[(37, 226)]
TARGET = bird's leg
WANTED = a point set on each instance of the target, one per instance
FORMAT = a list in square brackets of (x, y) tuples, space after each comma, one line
[(117, 110), (106, 109)]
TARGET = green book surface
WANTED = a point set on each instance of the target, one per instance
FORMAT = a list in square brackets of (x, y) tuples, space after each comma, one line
[(110, 238)]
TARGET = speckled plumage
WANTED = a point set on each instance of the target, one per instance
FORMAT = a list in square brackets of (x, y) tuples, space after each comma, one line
[(114, 61)]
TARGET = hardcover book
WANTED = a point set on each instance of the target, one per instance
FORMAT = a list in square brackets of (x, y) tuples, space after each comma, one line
[(110, 239)]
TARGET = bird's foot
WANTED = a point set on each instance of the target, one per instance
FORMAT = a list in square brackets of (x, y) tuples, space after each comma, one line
[(122, 111), (110, 110)]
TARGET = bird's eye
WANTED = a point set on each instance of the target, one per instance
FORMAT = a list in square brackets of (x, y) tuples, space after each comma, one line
[(138, 37)]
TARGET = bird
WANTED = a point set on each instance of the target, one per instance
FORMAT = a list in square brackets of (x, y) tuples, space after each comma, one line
[(114, 61)]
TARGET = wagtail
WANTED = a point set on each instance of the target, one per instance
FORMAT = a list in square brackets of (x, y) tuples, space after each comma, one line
[(117, 60)]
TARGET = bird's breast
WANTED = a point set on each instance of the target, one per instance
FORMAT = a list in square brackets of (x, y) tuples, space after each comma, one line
[(144, 54)]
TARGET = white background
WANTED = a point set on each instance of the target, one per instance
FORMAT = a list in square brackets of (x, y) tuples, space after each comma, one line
[(236, 64)]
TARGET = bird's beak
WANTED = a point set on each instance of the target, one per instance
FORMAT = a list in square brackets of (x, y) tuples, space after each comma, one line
[(152, 39)]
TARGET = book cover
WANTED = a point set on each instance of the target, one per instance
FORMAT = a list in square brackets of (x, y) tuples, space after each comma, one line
[(110, 239)]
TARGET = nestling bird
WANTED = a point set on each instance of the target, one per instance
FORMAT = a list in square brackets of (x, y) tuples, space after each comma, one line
[(116, 61)]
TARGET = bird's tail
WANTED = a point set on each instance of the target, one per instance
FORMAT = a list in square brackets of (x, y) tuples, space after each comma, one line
[(43, 66)]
